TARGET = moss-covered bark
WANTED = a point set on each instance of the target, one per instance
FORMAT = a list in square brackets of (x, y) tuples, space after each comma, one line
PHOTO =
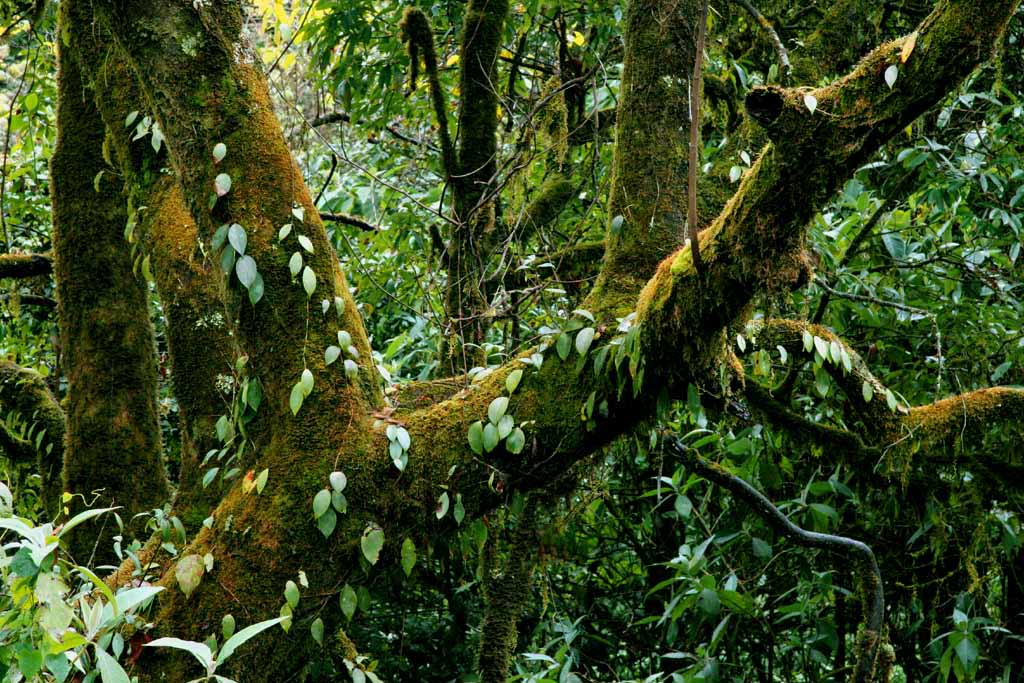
[(651, 147), (475, 231), (113, 431), (25, 265), (211, 92), (24, 393), (200, 344)]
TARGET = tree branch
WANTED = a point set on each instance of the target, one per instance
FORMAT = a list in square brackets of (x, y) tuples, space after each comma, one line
[(25, 265), (24, 393), (863, 559)]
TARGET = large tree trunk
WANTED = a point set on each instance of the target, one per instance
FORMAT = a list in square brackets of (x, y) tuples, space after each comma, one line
[(113, 429), (214, 93)]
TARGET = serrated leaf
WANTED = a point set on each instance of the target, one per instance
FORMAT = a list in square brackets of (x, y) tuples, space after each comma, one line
[(245, 269), (497, 408), (220, 150), (441, 509), (408, 556), (891, 73), (371, 543), (306, 243), (222, 184), (475, 436), (332, 354), (308, 280)]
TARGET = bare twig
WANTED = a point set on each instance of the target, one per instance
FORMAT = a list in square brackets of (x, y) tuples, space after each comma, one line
[(695, 96), (772, 35)]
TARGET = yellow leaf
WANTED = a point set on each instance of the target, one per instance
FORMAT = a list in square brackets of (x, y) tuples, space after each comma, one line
[(506, 54), (578, 39), (452, 61), (501, 112), (908, 47), (456, 91)]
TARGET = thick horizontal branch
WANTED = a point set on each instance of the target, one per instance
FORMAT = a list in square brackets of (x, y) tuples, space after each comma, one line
[(25, 265), (43, 302), (756, 244)]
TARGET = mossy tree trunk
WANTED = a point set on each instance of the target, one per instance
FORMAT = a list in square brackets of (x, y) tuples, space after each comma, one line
[(206, 88), (113, 444)]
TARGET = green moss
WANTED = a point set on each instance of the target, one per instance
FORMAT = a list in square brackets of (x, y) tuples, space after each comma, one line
[(113, 434), (24, 393)]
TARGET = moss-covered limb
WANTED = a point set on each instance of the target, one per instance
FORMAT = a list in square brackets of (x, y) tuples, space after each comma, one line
[(200, 342), (545, 206), (113, 429), (860, 554), (206, 88), (839, 40), (419, 37), (25, 265), (832, 440), (790, 334), (482, 31), (942, 425), (755, 244), (24, 392), (475, 229), (773, 36), (650, 163), (417, 395), (506, 590)]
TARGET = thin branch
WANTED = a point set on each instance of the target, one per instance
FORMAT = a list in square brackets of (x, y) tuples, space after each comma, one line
[(348, 219), (695, 97), (863, 558), (772, 35)]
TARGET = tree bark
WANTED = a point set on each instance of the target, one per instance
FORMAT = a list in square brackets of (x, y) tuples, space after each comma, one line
[(113, 429), (216, 94)]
